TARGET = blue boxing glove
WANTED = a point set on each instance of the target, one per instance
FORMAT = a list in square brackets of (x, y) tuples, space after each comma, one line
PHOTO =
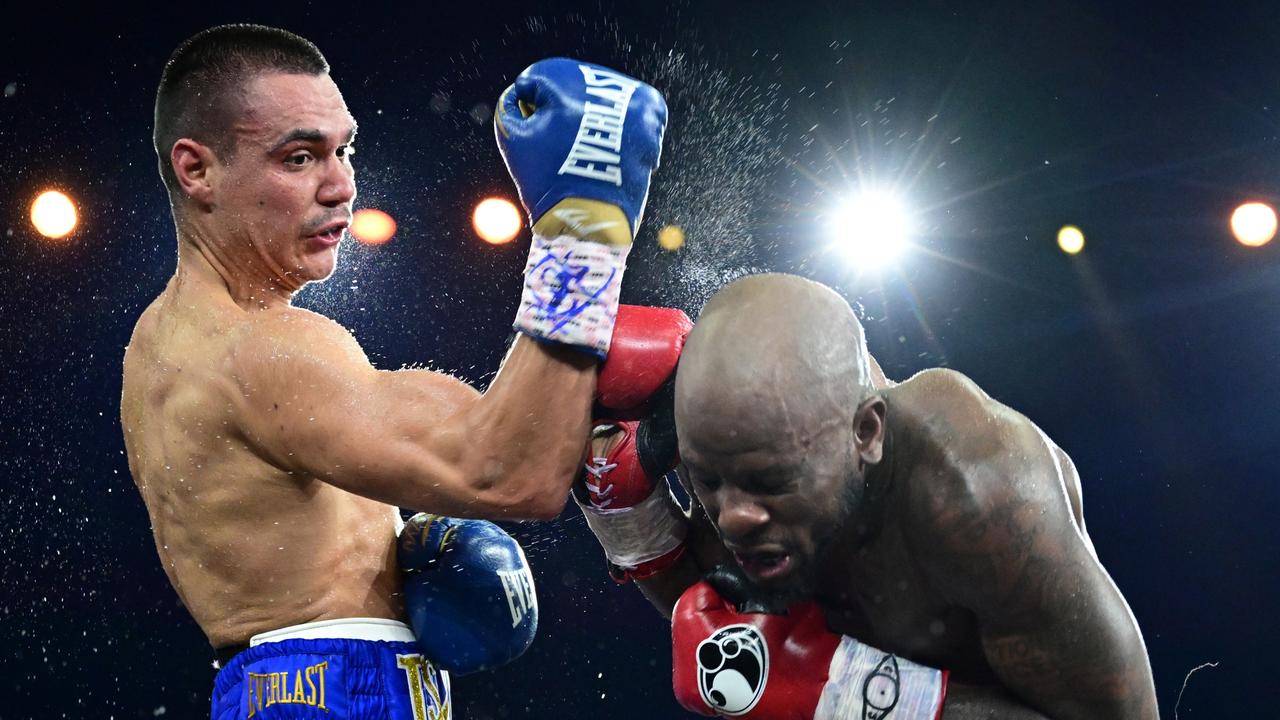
[(468, 592), (581, 142), (574, 130)]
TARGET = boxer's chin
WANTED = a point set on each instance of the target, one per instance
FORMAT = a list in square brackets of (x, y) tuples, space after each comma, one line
[(318, 264)]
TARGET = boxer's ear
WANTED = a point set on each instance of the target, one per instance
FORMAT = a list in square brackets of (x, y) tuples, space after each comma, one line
[(193, 165), (868, 430)]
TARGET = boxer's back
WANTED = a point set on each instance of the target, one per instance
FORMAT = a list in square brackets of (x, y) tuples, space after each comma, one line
[(247, 546)]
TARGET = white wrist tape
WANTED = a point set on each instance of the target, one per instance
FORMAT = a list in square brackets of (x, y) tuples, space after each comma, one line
[(571, 289), (640, 533), (863, 682)]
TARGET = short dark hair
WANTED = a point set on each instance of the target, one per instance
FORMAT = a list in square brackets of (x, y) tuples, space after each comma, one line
[(204, 79)]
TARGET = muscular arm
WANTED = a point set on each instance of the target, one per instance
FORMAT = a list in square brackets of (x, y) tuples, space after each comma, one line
[(310, 402), (1001, 541)]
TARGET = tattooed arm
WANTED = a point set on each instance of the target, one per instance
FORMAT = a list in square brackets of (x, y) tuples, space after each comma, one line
[(996, 533)]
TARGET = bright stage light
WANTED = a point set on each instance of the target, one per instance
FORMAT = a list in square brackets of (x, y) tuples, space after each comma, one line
[(871, 230), (1070, 239), (496, 220), (1254, 224), (671, 238), (53, 214), (372, 226)]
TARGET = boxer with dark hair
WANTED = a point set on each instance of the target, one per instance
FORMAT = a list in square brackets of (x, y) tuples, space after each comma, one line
[(272, 456), (875, 550)]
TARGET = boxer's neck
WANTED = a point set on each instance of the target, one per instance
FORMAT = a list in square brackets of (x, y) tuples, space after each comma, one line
[(242, 275)]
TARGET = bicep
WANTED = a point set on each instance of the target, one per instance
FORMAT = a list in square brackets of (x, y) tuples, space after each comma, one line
[(395, 436), (1064, 640), (314, 406)]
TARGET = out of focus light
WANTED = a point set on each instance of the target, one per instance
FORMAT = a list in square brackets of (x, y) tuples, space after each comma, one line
[(496, 220), (671, 238), (372, 226), (53, 214), (871, 230), (1254, 224), (1070, 239)]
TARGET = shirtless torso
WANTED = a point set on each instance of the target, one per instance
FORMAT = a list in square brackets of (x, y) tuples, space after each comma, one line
[(977, 561), (248, 546), (271, 454), (925, 518)]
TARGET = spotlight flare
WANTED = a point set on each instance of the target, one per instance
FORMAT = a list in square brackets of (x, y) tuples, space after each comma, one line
[(1070, 239), (871, 230), (53, 214), (496, 220), (1253, 224), (372, 226), (671, 238)]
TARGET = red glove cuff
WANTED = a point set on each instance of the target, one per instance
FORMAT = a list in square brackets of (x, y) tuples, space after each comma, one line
[(649, 568)]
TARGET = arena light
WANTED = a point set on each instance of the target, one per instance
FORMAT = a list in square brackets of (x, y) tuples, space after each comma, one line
[(1070, 239), (53, 214), (1253, 224), (496, 220), (372, 226), (871, 230), (671, 238)]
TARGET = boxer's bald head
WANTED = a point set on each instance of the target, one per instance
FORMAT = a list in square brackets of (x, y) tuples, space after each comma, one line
[(778, 417), (779, 350)]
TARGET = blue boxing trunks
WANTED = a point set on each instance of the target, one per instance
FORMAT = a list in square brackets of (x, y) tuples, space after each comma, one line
[(348, 669)]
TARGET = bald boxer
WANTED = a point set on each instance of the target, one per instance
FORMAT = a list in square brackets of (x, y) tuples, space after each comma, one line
[(902, 551), (272, 456)]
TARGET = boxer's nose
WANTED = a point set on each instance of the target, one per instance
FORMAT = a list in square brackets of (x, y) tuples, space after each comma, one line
[(741, 516)]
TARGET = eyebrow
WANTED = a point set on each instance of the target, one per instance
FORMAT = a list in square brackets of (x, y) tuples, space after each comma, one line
[(310, 135)]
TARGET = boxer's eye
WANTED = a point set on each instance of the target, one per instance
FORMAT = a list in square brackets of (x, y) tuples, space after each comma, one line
[(772, 484), (709, 483)]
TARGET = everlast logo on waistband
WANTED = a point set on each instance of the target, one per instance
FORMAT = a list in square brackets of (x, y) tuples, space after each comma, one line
[(302, 687), (595, 149)]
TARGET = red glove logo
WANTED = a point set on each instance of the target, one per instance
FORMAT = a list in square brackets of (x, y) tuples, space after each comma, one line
[(880, 691), (733, 666)]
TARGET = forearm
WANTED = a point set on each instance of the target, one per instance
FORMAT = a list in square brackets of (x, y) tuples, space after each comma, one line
[(513, 452), (980, 702), (537, 411), (662, 590), (705, 551)]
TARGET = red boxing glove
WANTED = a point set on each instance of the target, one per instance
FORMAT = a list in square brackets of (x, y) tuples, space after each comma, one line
[(628, 507), (622, 480), (789, 667), (643, 354)]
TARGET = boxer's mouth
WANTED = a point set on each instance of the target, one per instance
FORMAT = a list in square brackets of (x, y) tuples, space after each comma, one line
[(330, 234), (764, 565)]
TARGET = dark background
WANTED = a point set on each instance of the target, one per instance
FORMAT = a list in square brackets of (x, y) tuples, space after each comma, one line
[(1149, 357)]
